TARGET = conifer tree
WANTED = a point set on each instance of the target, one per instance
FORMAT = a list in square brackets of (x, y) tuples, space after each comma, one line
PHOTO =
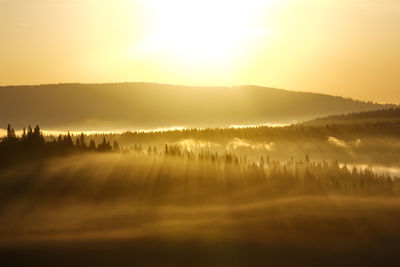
[(10, 133), (82, 142), (115, 146), (92, 145)]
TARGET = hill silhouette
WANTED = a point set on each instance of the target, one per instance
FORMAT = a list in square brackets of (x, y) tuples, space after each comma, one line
[(388, 115), (147, 106)]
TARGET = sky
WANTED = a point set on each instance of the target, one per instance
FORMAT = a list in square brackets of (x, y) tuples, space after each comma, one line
[(339, 47)]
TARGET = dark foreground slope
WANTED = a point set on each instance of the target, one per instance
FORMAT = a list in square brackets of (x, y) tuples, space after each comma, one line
[(141, 105), (329, 232), (164, 210)]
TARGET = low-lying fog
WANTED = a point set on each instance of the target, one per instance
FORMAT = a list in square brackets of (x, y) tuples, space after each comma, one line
[(135, 194), (187, 210)]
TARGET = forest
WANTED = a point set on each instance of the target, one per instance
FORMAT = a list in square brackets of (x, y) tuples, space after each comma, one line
[(291, 175), (254, 192)]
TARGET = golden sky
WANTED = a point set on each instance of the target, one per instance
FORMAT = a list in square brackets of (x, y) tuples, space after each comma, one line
[(340, 47)]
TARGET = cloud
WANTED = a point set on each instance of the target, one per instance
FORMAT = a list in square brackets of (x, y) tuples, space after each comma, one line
[(341, 143), (192, 144), (242, 143), (235, 143)]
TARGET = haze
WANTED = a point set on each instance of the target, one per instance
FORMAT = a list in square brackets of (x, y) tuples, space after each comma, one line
[(339, 47)]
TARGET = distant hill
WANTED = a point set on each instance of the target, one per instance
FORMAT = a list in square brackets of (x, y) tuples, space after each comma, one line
[(146, 106), (382, 115)]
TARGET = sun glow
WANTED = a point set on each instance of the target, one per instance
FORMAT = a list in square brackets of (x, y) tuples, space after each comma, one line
[(201, 33)]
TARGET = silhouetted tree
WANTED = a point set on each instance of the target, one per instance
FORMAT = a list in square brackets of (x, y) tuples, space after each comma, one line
[(115, 146), (34, 137), (92, 145), (30, 131), (82, 142), (11, 136), (166, 149), (24, 136), (60, 140), (104, 146), (9, 131), (67, 141)]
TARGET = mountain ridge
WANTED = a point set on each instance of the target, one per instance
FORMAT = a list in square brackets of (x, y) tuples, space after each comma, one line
[(153, 105)]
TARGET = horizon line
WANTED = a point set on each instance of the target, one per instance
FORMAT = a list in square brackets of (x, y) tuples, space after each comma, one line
[(196, 86)]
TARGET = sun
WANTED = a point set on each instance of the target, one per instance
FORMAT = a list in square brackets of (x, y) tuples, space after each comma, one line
[(201, 32)]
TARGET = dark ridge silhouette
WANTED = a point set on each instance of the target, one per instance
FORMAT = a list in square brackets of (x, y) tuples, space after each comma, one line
[(146, 105), (376, 116)]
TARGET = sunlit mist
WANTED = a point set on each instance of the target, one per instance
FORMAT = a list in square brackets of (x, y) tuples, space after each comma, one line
[(340, 47), (191, 133), (202, 34)]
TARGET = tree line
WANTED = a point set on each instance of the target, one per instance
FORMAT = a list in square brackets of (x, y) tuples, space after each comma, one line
[(272, 177), (295, 176), (32, 144), (288, 133)]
